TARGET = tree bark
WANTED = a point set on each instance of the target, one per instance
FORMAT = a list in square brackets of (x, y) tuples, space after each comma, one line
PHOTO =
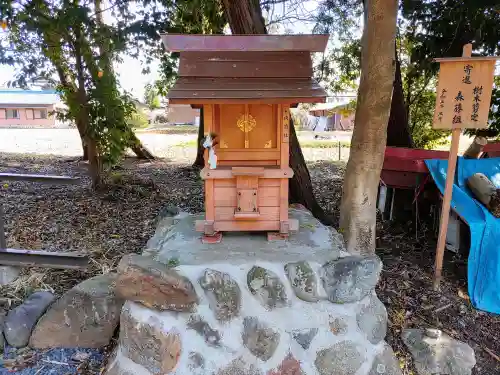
[(398, 130), (135, 144), (138, 148), (358, 207), (300, 185), (200, 153), (245, 17), (94, 157)]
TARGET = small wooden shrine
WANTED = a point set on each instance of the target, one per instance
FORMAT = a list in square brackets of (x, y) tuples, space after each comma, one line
[(246, 85)]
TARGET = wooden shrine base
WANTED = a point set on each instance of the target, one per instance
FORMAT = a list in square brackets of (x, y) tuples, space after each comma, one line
[(212, 227), (275, 236), (217, 237), (212, 239)]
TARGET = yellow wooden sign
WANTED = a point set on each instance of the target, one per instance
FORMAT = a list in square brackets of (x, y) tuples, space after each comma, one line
[(464, 92)]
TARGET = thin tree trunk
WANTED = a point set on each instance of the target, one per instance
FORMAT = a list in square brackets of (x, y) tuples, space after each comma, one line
[(81, 131), (358, 207), (85, 148), (200, 153), (94, 157), (398, 135), (135, 144), (301, 190), (398, 131), (245, 17), (138, 148)]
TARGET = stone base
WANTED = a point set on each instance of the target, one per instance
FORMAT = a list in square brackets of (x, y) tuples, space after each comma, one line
[(8, 274), (296, 308)]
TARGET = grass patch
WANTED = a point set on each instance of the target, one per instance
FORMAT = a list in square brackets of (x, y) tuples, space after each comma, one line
[(324, 144), (186, 144), (177, 129), (303, 144)]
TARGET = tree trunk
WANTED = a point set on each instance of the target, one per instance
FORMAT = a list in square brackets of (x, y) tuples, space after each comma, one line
[(358, 207), (398, 131), (301, 190), (138, 148), (81, 131), (245, 17), (94, 157), (95, 163), (85, 148), (200, 153), (135, 144)]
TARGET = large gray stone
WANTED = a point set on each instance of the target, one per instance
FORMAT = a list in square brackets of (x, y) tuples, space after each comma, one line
[(304, 281), (259, 339), (8, 274), (147, 344), (196, 360), (2, 322), (372, 320), (85, 316), (343, 358), (442, 355), (267, 287), (338, 326), (385, 363), (153, 284), (114, 367), (20, 321), (176, 238), (211, 336), (304, 337), (239, 367), (223, 294), (350, 279)]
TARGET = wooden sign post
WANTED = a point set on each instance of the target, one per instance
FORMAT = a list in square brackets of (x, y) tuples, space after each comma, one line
[(462, 101)]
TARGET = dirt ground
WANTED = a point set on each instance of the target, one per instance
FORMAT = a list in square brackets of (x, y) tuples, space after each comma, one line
[(121, 219)]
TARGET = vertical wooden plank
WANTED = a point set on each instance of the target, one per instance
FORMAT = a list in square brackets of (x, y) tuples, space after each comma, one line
[(284, 125), (247, 182), (208, 116), (445, 209), (247, 114), (279, 131), (216, 119)]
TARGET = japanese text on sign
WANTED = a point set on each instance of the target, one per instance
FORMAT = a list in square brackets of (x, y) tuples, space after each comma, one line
[(464, 93)]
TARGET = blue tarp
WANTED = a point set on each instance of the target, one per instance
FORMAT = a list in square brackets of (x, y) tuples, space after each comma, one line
[(483, 270)]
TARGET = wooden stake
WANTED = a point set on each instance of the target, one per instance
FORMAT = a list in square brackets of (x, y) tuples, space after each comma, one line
[(445, 210)]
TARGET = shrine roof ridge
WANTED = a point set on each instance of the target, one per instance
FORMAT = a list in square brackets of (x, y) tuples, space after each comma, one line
[(245, 43)]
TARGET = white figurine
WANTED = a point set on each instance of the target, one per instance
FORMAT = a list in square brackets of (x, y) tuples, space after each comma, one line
[(212, 158)]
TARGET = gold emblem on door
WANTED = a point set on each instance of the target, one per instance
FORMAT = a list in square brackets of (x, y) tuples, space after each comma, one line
[(246, 123)]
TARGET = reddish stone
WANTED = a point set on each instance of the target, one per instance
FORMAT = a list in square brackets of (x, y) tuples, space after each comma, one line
[(216, 238), (298, 206), (289, 366), (275, 236), (155, 285)]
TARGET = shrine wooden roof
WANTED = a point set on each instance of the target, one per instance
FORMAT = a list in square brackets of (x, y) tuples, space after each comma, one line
[(245, 68)]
